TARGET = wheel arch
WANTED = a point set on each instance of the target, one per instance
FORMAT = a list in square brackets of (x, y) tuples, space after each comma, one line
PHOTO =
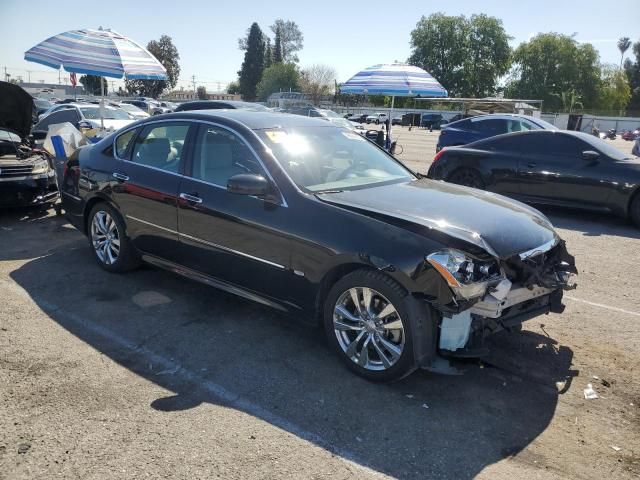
[(93, 201), (632, 198)]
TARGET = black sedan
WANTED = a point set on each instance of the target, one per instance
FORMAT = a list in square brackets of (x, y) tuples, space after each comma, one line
[(561, 168), (316, 221)]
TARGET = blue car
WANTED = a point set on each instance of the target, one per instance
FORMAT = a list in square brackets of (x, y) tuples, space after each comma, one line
[(477, 128)]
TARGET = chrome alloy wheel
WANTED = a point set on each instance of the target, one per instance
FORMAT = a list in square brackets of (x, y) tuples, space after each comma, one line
[(105, 237), (369, 328)]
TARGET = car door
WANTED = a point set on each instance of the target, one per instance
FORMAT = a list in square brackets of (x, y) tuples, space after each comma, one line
[(553, 169), (235, 238), (146, 178)]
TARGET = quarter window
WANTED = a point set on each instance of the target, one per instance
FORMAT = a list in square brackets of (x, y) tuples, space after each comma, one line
[(161, 146), (220, 154)]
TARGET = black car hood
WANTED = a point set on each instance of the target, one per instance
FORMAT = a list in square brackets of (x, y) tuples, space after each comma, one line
[(16, 109), (500, 226)]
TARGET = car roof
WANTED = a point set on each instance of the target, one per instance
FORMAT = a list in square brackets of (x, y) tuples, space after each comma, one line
[(251, 119)]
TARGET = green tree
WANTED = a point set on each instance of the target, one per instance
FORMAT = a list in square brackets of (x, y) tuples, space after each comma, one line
[(551, 63), (466, 55), (250, 73), (623, 45), (615, 91), (437, 45), (233, 87), (279, 77), (268, 53), (570, 100), (277, 47), (91, 84), (632, 70), (201, 92), (488, 56), (167, 54), (291, 39)]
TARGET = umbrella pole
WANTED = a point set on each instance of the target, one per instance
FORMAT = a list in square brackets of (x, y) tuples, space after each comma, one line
[(102, 103), (393, 98)]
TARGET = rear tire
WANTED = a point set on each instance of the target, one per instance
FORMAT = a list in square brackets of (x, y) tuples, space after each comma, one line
[(374, 341), (108, 240), (467, 177), (634, 210)]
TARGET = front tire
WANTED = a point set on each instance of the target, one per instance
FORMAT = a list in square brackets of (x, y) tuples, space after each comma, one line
[(112, 248), (634, 211), (368, 324)]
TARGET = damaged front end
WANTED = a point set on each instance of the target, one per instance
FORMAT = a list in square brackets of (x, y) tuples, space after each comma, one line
[(489, 295)]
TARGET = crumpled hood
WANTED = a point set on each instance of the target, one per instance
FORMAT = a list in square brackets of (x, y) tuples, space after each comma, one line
[(16, 109), (499, 225)]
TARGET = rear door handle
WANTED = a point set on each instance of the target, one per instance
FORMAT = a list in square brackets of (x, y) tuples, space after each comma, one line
[(190, 198), (120, 176)]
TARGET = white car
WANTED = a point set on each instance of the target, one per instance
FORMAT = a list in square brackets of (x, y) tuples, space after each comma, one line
[(84, 116), (135, 112), (377, 118)]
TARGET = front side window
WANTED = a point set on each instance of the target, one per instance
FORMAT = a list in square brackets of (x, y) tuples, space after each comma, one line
[(491, 127), (330, 158), (219, 154), (161, 146), (122, 143)]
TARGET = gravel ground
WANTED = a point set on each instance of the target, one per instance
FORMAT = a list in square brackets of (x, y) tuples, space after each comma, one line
[(148, 375)]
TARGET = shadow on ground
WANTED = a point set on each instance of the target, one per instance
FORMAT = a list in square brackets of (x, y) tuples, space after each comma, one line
[(206, 346)]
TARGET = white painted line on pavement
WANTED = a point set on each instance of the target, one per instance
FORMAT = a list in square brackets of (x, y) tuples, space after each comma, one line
[(231, 398), (600, 305)]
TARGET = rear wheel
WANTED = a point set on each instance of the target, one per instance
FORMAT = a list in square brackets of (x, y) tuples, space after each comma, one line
[(367, 323), (112, 248), (467, 177), (634, 211)]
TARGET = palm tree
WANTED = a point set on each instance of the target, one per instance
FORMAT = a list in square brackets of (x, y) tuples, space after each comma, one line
[(623, 45), (570, 100)]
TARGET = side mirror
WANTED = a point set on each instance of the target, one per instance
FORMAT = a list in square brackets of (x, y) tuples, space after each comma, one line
[(248, 184), (590, 156)]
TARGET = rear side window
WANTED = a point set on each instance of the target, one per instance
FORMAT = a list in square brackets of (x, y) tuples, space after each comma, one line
[(160, 146), (491, 127), (123, 142)]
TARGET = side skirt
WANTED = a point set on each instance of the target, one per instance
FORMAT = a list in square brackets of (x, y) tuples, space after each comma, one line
[(214, 282)]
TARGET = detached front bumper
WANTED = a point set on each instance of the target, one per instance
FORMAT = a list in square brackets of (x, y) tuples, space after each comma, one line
[(27, 191)]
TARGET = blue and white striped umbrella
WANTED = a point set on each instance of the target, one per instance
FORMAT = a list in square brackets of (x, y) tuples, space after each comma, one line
[(396, 79), (104, 53)]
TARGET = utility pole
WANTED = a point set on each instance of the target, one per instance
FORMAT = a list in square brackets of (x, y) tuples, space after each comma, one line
[(59, 81), (193, 80), (6, 75), (29, 75)]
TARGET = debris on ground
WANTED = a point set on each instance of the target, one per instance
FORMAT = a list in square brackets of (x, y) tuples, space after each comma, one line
[(23, 448), (590, 393), (424, 405), (616, 448), (409, 395)]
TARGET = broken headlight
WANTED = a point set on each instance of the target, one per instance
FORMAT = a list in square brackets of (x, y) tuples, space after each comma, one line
[(41, 166), (467, 277)]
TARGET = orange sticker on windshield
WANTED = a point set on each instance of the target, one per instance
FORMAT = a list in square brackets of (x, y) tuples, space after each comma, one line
[(276, 136)]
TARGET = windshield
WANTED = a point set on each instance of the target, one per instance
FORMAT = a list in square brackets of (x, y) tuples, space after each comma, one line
[(93, 113), (329, 158)]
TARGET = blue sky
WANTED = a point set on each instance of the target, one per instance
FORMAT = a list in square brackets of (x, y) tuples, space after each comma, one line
[(343, 34)]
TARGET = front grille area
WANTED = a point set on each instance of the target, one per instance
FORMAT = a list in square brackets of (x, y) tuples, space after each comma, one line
[(15, 170)]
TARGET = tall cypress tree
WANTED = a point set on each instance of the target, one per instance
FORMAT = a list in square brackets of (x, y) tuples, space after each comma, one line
[(277, 48), (251, 71), (268, 53)]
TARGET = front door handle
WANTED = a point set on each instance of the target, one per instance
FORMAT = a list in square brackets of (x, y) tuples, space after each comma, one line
[(120, 176), (190, 198)]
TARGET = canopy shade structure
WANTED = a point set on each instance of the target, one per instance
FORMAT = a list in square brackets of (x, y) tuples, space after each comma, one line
[(104, 53), (396, 80)]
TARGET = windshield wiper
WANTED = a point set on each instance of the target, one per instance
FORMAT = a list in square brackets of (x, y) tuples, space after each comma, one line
[(329, 190)]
